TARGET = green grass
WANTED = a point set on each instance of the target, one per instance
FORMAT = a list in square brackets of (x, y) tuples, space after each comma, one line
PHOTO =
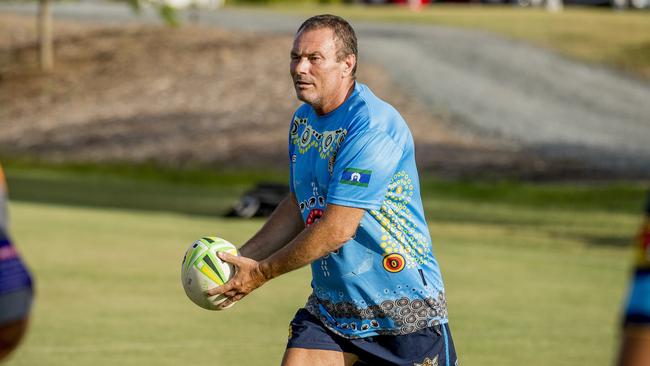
[(620, 39), (531, 278), (108, 292), (212, 191), (519, 293), (191, 191)]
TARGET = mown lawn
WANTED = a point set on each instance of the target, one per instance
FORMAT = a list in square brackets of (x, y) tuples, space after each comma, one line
[(528, 283)]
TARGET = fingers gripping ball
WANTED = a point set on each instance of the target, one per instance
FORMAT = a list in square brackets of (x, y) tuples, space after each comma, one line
[(202, 270)]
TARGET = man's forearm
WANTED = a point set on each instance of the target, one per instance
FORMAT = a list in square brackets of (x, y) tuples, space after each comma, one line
[(318, 240), (337, 226), (283, 225), (635, 350)]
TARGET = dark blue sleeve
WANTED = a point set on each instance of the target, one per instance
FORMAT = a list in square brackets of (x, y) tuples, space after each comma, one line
[(638, 306), (13, 273)]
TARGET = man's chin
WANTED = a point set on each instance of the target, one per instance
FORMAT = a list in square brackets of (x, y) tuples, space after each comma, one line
[(304, 97)]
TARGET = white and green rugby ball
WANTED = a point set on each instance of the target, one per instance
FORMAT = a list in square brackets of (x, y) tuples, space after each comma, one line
[(202, 270)]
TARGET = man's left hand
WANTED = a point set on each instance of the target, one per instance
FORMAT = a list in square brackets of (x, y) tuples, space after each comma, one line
[(248, 276)]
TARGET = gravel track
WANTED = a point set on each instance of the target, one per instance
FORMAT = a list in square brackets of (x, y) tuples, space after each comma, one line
[(559, 108), (480, 84)]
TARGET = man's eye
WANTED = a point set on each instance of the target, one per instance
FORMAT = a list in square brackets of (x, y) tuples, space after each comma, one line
[(314, 58)]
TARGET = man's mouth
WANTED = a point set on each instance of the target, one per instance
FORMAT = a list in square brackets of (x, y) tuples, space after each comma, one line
[(302, 84)]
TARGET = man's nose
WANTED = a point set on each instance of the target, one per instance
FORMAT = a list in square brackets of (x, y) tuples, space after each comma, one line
[(301, 66)]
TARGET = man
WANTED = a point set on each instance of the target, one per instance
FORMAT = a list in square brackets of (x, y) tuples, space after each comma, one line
[(355, 214), (635, 350), (15, 286)]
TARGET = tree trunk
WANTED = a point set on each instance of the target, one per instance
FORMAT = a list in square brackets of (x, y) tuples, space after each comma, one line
[(44, 27)]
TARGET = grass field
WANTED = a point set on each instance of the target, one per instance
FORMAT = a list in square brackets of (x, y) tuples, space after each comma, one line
[(602, 36), (527, 284)]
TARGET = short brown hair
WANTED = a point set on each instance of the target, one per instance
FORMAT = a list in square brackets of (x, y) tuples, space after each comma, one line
[(343, 31)]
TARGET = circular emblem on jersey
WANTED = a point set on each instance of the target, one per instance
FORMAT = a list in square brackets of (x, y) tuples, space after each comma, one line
[(305, 137), (328, 139), (394, 263), (294, 127)]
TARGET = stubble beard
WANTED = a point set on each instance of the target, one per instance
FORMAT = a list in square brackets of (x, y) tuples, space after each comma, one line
[(314, 102)]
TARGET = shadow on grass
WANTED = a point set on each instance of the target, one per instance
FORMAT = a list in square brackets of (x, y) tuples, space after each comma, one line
[(504, 204), (111, 192), (609, 241)]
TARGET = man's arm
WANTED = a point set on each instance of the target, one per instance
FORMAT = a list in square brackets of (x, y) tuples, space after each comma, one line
[(337, 226), (284, 224), (635, 349)]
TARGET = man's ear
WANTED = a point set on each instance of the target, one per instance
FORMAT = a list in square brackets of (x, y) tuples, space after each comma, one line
[(348, 65)]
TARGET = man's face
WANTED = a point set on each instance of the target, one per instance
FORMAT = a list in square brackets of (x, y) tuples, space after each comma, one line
[(317, 75)]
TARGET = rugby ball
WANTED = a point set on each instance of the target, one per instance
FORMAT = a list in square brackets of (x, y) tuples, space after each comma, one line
[(202, 270)]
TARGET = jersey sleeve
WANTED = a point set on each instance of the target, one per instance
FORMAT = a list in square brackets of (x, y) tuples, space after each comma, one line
[(3, 200), (13, 273), (362, 170), (638, 306)]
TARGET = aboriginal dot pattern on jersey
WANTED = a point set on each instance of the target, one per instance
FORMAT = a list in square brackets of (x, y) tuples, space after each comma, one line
[(399, 232), (308, 138), (408, 315)]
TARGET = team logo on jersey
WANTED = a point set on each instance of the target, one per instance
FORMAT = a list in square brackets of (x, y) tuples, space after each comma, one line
[(394, 263), (356, 177)]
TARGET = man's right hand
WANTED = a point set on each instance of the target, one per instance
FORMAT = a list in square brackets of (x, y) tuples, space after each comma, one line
[(248, 277)]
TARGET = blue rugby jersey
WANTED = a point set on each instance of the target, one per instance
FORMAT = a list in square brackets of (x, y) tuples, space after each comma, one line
[(386, 279), (638, 306), (13, 274)]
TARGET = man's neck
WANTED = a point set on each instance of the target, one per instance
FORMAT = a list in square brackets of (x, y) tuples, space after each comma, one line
[(337, 101)]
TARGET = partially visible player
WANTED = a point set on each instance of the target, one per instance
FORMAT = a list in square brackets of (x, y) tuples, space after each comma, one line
[(635, 350), (15, 285)]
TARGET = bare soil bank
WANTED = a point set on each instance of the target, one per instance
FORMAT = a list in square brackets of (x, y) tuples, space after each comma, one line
[(196, 96)]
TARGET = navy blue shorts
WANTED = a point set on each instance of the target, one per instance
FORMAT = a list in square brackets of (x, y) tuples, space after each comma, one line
[(429, 346)]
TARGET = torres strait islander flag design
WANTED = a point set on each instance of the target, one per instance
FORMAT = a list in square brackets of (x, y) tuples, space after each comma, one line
[(356, 177)]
